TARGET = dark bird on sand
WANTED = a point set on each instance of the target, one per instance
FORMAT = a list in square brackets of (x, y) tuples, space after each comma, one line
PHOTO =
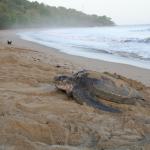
[(9, 42)]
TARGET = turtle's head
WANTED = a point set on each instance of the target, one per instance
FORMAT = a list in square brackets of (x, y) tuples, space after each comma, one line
[(64, 83)]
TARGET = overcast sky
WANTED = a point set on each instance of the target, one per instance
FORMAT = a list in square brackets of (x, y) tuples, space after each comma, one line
[(121, 11)]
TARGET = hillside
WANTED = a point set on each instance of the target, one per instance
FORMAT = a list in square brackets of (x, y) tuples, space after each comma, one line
[(22, 13)]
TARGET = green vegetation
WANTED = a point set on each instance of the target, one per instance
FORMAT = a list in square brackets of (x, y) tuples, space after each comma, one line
[(22, 13)]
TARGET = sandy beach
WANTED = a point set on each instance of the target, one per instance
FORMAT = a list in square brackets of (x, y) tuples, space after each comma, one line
[(35, 116)]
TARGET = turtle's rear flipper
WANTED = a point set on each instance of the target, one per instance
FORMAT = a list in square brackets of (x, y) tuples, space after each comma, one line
[(83, 96)]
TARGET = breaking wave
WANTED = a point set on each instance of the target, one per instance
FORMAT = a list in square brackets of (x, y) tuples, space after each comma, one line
[(123, 44)]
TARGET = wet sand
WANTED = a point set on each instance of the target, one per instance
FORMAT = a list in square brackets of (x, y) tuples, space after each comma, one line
[(35, 116)]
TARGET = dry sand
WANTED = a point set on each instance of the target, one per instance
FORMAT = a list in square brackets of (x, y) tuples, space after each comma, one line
[(35, 116)]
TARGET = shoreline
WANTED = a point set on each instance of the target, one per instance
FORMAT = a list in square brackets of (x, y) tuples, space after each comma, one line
[(129, 71), (68, 41)]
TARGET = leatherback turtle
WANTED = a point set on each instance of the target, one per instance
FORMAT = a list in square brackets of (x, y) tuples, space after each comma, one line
[(90, 86)]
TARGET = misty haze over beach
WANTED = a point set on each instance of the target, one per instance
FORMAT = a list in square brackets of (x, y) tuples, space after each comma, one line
[(123, 12)]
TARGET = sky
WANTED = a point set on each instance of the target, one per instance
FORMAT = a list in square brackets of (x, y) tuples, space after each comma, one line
[(122, 12)]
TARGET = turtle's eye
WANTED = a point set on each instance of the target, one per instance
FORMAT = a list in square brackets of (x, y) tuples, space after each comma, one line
[(63, 78)]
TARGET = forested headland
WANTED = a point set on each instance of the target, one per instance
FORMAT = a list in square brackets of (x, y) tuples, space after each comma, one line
[(22, 13)]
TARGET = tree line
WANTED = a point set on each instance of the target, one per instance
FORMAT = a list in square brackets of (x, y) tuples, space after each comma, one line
[(22, 13)]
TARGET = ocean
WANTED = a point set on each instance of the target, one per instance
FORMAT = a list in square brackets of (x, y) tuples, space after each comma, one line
[(120, 44)]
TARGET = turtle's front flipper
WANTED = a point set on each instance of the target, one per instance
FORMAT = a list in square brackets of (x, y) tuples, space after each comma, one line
[(83, 96)]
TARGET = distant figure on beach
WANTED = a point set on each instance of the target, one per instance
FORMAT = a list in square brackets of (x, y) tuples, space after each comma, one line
[(9, 42)]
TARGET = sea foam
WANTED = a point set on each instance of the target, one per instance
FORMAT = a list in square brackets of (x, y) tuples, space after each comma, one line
[(121, 44)]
